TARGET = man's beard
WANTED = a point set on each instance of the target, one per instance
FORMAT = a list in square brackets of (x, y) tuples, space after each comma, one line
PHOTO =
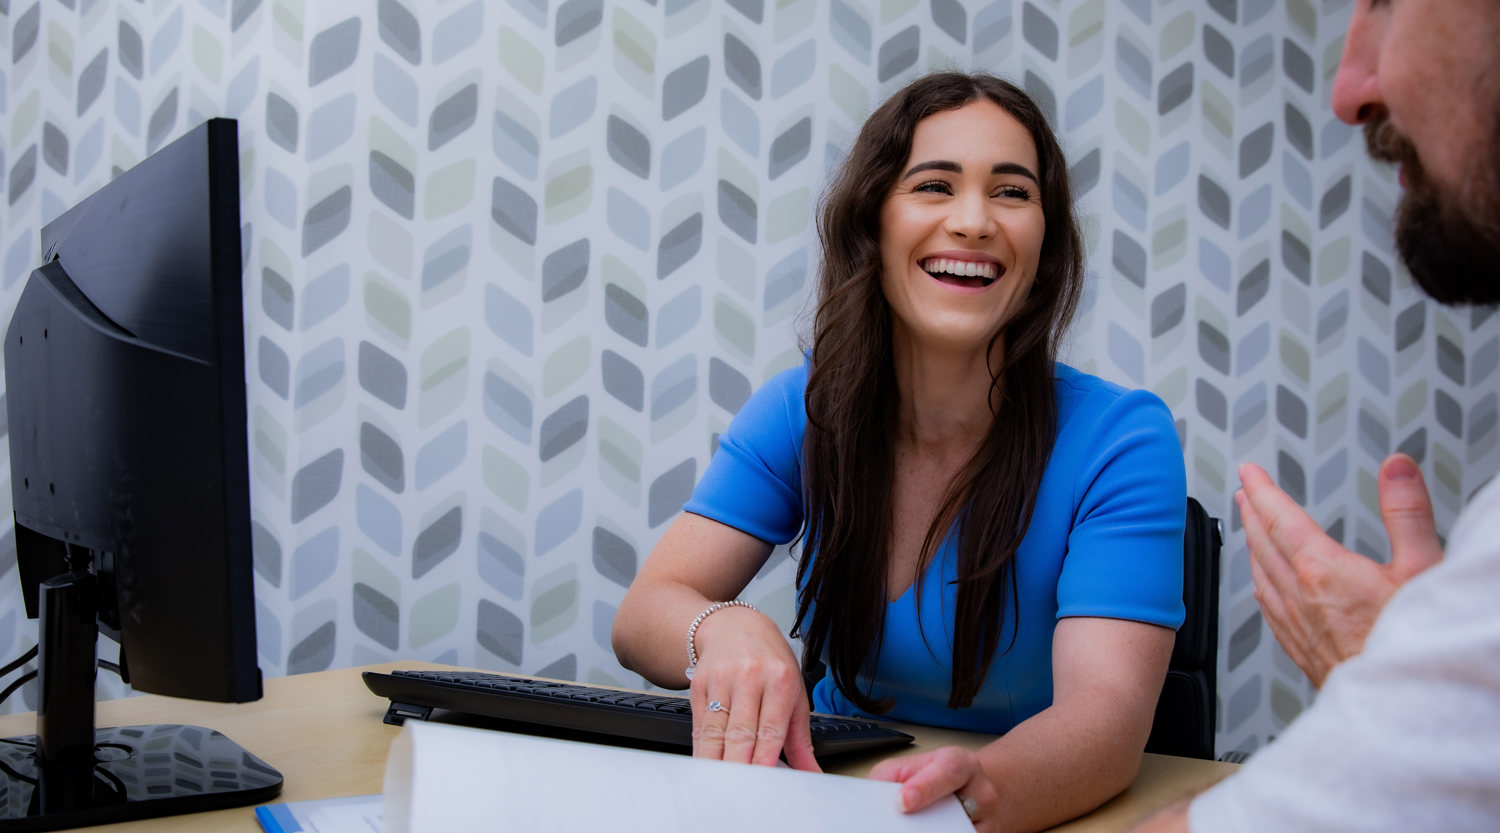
[(1450, 242)]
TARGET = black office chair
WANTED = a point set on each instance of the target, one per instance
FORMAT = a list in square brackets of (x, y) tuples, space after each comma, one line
[(1185, 713)]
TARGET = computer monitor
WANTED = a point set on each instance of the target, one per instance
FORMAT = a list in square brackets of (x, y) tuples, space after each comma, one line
[(125, 392)]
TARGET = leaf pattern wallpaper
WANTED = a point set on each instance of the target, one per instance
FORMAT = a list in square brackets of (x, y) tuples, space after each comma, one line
[(510, 266)]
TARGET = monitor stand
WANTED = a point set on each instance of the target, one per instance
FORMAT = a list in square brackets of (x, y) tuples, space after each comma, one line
[(70, 775)]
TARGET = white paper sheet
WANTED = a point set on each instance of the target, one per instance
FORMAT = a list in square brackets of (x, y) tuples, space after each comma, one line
[(451, 778)]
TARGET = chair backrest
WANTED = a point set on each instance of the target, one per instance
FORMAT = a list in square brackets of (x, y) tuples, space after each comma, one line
[(1186, 711)]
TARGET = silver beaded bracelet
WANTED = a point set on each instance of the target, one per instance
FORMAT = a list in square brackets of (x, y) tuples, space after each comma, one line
[(693, 630)]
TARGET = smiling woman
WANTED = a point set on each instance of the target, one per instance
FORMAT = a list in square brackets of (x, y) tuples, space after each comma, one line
[(961, 233), (991, 540)]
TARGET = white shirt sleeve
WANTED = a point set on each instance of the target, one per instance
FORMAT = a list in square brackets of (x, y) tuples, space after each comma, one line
[(1406, 735)]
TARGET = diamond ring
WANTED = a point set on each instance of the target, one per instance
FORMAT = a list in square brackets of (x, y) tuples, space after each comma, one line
[(716, 706), (971, 808)]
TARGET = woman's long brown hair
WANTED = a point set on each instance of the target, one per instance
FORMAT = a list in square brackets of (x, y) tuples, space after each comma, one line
[(851, 401)]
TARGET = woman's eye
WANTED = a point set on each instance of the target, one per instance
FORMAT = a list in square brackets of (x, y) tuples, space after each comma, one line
[(1013, 192), (936, 186)]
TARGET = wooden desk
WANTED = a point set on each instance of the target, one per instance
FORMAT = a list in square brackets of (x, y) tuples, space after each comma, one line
[(324, 732)]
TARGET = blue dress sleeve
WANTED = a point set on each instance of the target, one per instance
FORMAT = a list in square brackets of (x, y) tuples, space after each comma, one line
[(754, 481), (1124, 552)]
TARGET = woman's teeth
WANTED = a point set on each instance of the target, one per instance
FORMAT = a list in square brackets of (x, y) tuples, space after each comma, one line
[(941, 267)]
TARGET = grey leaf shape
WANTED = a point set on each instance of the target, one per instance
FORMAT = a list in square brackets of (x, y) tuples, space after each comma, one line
[(1298, 65), (680, 245), (670, 491), (1291, 411), (684, 87), (1129, 259), (315, 485), (626, 314), (55, 148), (438, 541), (727, 387), (453, 116), (628, 146), (1253, 287), (382, 375), (500, 632), (400, 31), (333, 51), (380, 456), (614, 557), (132, 50), (737, 211), (742, 66), (240, 12), (1218, 50), (565, 270), (315, 653), (564, 427), (376, 616), (513, 209), (393, 184), (1299, 131), (1211, 404), (162, 122), (899, 53), (326, 220), (623, 380), (1039, 30), (1213, 201), (577, 18), (274, 366), (91, 81), (1296, 256), (1168, 309), (790, 147), (1174, 89), (281, 122)]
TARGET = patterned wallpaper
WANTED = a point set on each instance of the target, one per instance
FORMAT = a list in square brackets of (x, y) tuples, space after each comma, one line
[(510, 267)]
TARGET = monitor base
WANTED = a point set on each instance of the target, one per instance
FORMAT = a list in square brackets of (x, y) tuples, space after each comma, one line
[(138, 772)]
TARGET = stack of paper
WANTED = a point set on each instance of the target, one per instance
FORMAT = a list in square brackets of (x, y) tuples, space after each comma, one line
[(441, 777)]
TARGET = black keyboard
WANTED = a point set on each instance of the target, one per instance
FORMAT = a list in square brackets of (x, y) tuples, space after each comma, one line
[(581, 712)]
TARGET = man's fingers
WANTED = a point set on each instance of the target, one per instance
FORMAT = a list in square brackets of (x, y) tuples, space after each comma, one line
[(1287, 527), (1272, 571), (1406, 508)]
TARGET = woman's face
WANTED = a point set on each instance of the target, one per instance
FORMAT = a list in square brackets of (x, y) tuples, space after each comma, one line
[(961, 231)]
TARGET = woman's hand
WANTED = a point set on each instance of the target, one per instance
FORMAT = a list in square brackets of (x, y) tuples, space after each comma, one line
[(748, 699), (949, 770)]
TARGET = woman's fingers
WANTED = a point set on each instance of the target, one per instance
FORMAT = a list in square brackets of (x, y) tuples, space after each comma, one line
[(932, 776), (798, 745), (743, 725)]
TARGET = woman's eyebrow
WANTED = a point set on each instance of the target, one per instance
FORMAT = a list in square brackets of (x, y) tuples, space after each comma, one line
[(935, 165), (1000, 168), (1014, 168)]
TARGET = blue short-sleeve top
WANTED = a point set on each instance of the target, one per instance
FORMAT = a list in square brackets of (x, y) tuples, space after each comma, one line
[(1105, 540)]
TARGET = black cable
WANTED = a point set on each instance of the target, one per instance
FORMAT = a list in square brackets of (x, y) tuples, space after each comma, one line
[(17, 683), (109, 666), (19, 661)]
